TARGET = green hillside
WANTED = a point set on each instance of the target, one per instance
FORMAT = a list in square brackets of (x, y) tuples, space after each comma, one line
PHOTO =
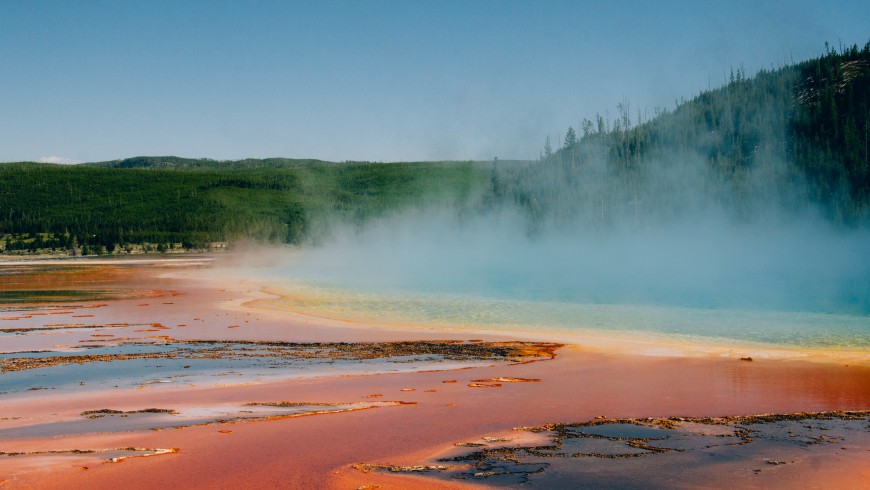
[(782, 141), (195, 202)]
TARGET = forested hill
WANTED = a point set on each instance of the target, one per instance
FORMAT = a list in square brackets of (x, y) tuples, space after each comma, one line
[(780, 142), (192, 203), (787, 138)]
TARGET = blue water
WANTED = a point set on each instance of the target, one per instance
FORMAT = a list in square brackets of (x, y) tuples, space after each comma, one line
[(798, 328), (798, 285)]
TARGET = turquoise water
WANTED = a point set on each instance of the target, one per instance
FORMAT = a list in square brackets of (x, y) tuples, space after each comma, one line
[(798, 328), (804, 285)]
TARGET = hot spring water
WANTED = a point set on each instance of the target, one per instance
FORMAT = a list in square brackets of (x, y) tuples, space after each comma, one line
[(794, 286)]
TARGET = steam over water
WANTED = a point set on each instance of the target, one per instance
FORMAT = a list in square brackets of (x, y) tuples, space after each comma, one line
[(800, 284)]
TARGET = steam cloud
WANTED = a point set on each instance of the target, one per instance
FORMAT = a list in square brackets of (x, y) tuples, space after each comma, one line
[(808, 265)]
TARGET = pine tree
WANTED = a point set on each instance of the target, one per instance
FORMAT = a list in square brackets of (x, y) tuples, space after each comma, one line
[(570, 138)]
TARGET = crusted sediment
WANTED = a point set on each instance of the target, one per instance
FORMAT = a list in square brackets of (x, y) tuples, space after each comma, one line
[(517, 352), (108, 411), (567, 444)]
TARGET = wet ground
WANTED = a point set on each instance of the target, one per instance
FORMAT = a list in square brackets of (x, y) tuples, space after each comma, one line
[(107, 363), (647, 453), (114, 363), (55, 340)]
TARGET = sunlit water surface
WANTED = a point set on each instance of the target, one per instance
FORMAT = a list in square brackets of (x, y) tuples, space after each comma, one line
[(806, 287), (799, 328)]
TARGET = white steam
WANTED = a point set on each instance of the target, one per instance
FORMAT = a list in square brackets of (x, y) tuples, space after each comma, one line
[(808, 265)]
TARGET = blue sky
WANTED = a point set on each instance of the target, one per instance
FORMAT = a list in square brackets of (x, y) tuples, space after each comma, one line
[(370, 80)]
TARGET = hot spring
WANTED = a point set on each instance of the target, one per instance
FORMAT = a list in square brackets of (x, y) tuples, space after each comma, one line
[(802, 285)]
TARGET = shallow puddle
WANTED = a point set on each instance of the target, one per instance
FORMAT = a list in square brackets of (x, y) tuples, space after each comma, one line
[(110, 420)]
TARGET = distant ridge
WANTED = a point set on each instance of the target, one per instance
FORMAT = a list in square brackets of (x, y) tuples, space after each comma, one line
[(173, 162), (169, 162)]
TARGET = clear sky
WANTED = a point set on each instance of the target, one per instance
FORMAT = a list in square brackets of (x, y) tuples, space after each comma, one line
[(370, 80)]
